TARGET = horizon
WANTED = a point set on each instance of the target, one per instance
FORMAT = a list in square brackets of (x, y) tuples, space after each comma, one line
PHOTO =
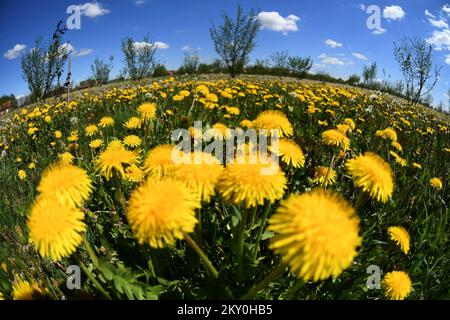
[(337, 47)]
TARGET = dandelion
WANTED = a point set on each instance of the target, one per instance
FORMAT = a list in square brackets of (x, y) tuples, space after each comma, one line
[(133, 123), (400, 236), (290, 153), (114, 158), (90, 130), (66, 182), (201, 177), (66, 158), (246, 183), (147, 111), (161, 210), (274, 120), (336, 138), (95, 144), (159, 161), (106, 122), (324, 176), (24, 290), (58, 134), (397, 285), (22, 174), (371, 173), (246, 123), (397, 146), (436, 183), (134, 174), (55, 227), (387, 133), (317, 233), (417, 165), (132, 141), (398, 159)]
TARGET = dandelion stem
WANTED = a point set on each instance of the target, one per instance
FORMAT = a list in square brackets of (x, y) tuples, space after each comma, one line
[(265, 282), (261, 227), (240, 240), (90, 251), (92, 278), (208, 264)]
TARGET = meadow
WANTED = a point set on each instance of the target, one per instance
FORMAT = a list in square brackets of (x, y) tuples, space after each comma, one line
[(362, 184)]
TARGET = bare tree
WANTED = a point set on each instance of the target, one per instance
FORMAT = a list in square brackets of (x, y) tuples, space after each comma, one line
[(139, 57), (190, 63), (414, 57), (280, 59), (234, 40), (101, 70), (43, 65)]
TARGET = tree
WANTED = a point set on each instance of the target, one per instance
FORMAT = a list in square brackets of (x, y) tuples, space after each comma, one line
[(299, 65), (370, 74), (190, 64), (353, 79), (43, 65), (139, 57), (234, 40), (101, 70), (160, 71), (414, 57), (279, 60)]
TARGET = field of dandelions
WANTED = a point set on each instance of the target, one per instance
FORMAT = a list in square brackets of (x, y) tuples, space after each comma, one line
[(362, 184)]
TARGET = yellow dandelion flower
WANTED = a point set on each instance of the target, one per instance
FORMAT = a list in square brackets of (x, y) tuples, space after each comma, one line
[(397, 146), (132, 141), (290, 153), (344, 128), (95, 144), (398, 159), (324, 176), (133, 123), (371, 173), (417, 165), (397, 285), (274, 120), (317, 233), (401, 237), (436, 183), (114, 158), (250, 184), (134, 174), (90, 130), (24, 290), (67, 183), (161, 210), (201, 174), (147, 111), (387, 133), (246, 123), (58, 134), (159, 161), (66, 158), (350, 122), (55, 227), (336, 138), (22, 174), (106, 122)]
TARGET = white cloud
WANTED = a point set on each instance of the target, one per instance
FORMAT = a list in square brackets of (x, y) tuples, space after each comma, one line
[(186, 48), (325, 59), (139, 2), (82, 52), (157, 45), (438, 23), (393, 13), (273, 21), (440, 39), (76, 53), (93, 9), (446, 8), (14, 52), (429, 14), (362, 7), (359, 56), (447, 59), (333, 44)]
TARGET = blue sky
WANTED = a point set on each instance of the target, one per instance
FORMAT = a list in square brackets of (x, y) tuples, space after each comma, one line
[(300, 27)]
